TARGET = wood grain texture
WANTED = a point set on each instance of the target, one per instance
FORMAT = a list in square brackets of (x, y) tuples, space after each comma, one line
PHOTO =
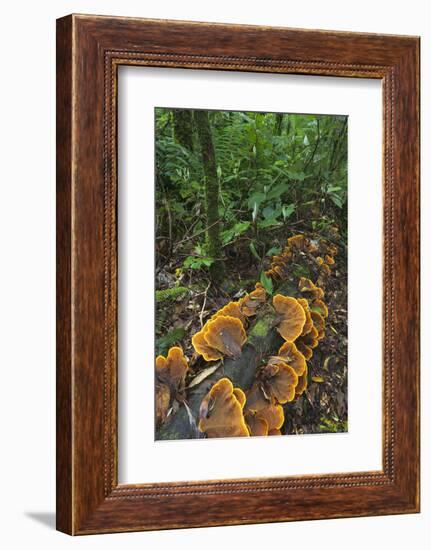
[(90, 49), (64, 496)]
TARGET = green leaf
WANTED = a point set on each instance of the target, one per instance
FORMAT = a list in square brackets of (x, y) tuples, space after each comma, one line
[(300, 176), (168, 340), (268, 212), (273, 251), (254, 251), (264, 224), (266, 283), (336, 200), (193, 262), (278, 190), (237, 230), (256, 199), (288, 210)]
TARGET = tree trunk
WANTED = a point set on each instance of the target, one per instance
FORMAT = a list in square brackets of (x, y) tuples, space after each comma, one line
[(278, 123), (211, 194), (183, 128)]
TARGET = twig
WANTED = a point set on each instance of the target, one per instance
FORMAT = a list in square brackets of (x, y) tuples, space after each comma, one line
[(201, 315), (316, 145), (196, 234)]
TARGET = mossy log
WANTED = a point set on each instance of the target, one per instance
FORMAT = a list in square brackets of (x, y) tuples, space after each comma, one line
[(263, 340)]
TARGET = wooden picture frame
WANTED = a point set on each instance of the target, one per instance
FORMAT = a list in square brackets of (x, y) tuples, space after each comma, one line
[(89, 51)]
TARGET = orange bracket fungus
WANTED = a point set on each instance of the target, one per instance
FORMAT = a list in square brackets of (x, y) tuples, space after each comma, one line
[(308, 325), (256, 399), (226, 411), (330, 249), (274, 417), (301, 242), (232, 309), (163, 400), (325, 269), (311, 339), (279, 263), (298, 241), (222, 336), (221, 411), (292, 316), (227, 335), (302, 383), (279, 381), (319, 324), (320, 307), (170, 377), (171, 370), (290, 354), (306, 351), (265, 421), (250, 303), (203, 348), (256, 425), (309, 289)]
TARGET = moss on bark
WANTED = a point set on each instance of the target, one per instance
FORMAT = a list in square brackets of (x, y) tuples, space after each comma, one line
[(211, 194)]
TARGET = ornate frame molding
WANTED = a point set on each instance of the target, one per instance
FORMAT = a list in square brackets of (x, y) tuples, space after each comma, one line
[(90, 49)]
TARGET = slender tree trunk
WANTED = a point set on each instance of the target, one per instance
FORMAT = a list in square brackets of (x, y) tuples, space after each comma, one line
[(211, 194), (278, 123), (183, 128)]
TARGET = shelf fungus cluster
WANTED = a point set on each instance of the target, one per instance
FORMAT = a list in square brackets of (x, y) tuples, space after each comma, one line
[(170, 380), (281, 378), (280, 373), (224, 334)]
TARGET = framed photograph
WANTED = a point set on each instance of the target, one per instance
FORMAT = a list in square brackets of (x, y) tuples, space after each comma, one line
[(237, 274)]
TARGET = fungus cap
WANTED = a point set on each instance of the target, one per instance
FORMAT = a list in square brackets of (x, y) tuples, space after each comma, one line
[(292, 316), (290, 354), (297, 241), (306, 351), (221, 413), (311, 339), (269, 418), (325, 269), (307, 287), (256, 426), (251, 302), (308, 325), (171, 370), (279, 381), (232, 309), (226, 334), (319, 324), (302, 383), (201, 346), (320, 307), (273, 415), (163, 399), (240, 396), (256, 399)]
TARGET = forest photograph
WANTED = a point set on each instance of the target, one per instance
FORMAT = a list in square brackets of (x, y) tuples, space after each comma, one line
[(250, 274)]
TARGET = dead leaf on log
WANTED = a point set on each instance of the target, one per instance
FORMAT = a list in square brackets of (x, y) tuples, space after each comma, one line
[(203, 374)]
